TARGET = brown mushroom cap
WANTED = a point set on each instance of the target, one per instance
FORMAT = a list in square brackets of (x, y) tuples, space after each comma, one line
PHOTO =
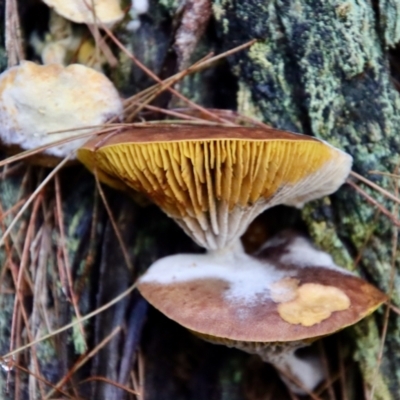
[(214, 180), (290, 292)]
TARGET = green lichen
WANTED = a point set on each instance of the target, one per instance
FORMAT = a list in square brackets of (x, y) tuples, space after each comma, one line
[(7, 306), (366, 355), (191, 87), (72, 230), (219, 8), (270, 69), (170, 5), (78, 340), (324, 234), (389, 11), (320, 68), (45, 350), (245, 105), (10, 193)]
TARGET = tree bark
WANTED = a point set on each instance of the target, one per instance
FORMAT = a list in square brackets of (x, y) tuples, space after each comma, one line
[(323, 68)]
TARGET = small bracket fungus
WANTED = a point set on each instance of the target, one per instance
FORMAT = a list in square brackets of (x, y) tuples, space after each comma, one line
[(252, 302), (36, 100), (107, 12), (215, 180)]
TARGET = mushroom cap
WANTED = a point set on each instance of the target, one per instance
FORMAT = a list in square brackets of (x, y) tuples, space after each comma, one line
[(290, 291), (36, 100), (107, 11), (215, 180)]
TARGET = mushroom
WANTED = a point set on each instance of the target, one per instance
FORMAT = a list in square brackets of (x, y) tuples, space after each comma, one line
[(36, 100), (213, 181), (270, 304), (107, 12)]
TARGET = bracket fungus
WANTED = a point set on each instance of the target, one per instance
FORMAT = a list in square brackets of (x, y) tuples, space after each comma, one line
[(107, 12), (270, 304), (214, 181), (36, 100)]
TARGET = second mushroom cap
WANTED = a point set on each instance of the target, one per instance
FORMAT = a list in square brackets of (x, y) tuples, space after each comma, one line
[(290, 291)]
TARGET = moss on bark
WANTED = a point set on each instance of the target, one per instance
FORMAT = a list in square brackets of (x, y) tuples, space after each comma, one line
[(322, 68)]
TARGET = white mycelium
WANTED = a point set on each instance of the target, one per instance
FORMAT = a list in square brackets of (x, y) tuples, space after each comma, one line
[(302, 253), (248, 277)]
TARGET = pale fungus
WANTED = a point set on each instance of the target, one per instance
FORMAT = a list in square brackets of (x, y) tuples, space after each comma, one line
[(37, 100), (107, 12)]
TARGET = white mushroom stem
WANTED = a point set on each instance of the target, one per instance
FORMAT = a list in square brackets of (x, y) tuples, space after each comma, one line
[(235, 248), (221, 226), (301, 375)]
